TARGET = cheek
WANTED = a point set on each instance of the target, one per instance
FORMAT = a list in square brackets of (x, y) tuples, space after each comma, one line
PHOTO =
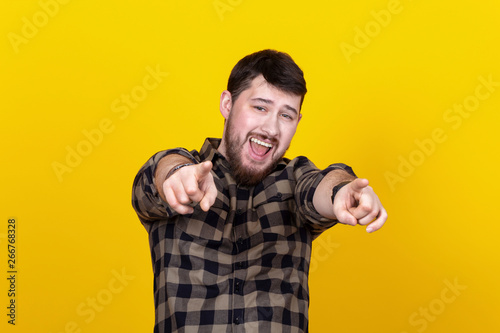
[(287, 134), (241, 124)]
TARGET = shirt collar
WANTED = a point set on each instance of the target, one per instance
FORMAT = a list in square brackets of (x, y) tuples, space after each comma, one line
[(209, 152)]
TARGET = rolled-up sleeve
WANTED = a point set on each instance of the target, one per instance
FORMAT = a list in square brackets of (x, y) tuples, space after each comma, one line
[(146, 200), (308, 178)]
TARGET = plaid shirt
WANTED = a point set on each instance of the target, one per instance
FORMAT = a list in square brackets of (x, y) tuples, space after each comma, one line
[(243, 265)]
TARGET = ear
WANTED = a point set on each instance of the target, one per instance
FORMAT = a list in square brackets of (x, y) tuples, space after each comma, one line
[(226, 102), (300, 117)]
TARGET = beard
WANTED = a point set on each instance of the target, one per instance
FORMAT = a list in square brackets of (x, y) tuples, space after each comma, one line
[(245, 175)]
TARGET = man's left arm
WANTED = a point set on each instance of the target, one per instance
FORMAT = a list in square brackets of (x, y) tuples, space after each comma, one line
[(354, 203)]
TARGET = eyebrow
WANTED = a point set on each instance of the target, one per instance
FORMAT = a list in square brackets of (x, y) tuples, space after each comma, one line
[(268, 101)]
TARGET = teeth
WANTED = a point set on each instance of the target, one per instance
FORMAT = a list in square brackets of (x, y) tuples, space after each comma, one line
[(262, 143)]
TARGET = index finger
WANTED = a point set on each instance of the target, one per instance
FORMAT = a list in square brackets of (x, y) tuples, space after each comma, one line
[(359, 184), (203, 169)]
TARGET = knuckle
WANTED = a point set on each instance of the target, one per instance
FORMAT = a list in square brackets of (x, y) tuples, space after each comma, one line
[(180, 208), (176, 206), (365, 207), (191, 190), (346, 219), (184, 200), (372, 215), (167, 183), (195, 198)]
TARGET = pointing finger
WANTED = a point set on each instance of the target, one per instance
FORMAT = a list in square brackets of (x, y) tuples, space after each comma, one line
[(203, 169), (358, 184)]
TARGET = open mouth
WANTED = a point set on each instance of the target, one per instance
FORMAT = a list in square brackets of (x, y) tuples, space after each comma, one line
[(260, 148)]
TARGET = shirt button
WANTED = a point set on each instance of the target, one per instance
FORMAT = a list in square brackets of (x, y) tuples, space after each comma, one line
[(240, 241), (237, 320), (279, 195), (239, 211)]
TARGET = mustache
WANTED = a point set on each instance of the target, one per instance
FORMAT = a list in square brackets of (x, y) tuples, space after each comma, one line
[(263, 137)]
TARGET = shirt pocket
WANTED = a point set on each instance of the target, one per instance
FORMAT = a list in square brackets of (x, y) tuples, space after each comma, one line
[(275, 208), (205, 225)]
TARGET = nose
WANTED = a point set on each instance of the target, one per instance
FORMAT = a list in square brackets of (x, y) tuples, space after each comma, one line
[(270, 126)]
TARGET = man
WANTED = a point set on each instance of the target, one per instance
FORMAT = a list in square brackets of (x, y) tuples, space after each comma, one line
[(231, 226)]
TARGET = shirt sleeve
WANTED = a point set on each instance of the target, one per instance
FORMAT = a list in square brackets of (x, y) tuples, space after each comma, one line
[(146, 200), (308, 178)]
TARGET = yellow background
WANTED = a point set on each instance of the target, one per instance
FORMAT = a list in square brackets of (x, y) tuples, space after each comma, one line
[(77, 231)]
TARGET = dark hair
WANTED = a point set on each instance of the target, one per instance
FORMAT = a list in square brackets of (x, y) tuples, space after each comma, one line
[(277, 68)]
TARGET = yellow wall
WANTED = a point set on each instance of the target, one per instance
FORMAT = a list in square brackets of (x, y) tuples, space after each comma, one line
[(406, 92)]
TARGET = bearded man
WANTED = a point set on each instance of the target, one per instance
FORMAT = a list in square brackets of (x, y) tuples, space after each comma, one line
[(231, 226)]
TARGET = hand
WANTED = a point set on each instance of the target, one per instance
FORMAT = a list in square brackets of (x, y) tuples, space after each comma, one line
[(356, 203), (190, 185)]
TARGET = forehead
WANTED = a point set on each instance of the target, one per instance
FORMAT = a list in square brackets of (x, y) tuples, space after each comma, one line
[(261, 89)]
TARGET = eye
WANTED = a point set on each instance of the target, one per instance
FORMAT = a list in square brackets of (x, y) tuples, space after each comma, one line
[(260, 108), (287, 116)]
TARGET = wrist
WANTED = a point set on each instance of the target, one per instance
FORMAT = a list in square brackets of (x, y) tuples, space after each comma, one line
[(337, 188), (177, 167)]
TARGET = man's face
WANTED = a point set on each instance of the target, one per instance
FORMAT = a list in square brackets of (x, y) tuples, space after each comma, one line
[(259, 127)]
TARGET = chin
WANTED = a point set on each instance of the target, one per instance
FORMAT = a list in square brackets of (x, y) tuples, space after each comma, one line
[(251, 176)]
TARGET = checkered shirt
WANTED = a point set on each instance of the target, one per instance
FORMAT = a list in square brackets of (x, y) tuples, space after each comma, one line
[(243, 265)]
